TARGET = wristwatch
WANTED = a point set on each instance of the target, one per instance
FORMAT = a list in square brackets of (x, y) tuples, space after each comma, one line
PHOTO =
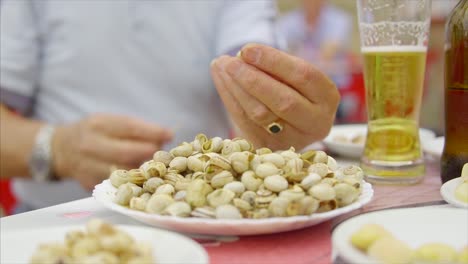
[(40, 161)]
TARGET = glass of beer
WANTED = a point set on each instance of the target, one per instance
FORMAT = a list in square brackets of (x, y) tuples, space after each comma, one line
[(394, 36)]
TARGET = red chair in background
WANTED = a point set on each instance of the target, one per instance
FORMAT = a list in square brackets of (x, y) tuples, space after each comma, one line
[(7, 199), (353, 95)]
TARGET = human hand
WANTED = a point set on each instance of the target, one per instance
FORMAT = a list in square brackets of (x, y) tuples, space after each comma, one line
[(87, 150), (264, 85)]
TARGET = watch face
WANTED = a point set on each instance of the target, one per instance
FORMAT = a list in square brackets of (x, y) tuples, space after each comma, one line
[(40, 160)]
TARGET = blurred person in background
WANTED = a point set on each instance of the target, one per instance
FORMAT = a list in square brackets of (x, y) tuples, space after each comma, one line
[(320, 33), (100, 84)]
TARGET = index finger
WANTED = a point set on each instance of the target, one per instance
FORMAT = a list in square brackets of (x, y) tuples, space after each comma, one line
[(130, 128), (298, 73)]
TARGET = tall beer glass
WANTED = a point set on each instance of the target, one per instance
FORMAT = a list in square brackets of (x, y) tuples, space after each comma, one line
[(394, 36)]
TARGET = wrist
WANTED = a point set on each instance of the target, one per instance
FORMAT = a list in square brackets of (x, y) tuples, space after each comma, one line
[(58, 161)]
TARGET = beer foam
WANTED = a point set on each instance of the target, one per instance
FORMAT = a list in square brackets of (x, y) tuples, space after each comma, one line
[(405, 48), (392, 33)]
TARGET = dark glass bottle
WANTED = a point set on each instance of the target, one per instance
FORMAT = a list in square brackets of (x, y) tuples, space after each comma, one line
[(456, 93)]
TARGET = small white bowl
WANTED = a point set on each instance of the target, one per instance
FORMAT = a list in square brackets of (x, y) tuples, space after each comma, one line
[(447, 190), (355, 150), (435, 147)]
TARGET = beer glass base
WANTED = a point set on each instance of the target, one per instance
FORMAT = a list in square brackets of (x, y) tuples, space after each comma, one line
[(385, 172)]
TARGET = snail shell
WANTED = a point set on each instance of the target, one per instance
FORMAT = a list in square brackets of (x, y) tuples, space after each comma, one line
[(227, 211), (322, 192), (124, 194), (213, 145), (230, 147), (309, 205), (290, 154), (172, 178), (152, 168), (204, 212), (258, 214), (278, 207), (158, 202), (136, 176), (138, 203), (237, 187), (250, 181), (85, 247), (152, 184), (308, 155), (319, 168), (242, 205), (293, 194), (197, 192), (266, 169), (244, 144), (276, 183), (240, 161), (94, 227), (195, 164), (325, 206), (310, 180), (183, 150), (320, 157), (330, 181), (220, 197), (119, 177), (197, 144), (273, 158), (332, 164), (180, 195), (182, 185), (178, 164), (345, 194), (249, 196), (165, 189), (221, 179), (255, 161), (163, 157), (181, 209), (263, 151)]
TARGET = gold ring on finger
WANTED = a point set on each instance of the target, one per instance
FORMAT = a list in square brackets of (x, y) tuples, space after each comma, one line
[(274, 128)]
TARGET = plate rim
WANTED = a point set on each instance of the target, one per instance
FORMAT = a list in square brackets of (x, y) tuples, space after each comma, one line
[(448, 196), (365, 197)]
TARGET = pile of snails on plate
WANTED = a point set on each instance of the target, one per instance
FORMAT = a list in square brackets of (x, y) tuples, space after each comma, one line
[(100, 242), (383, 247), (229, 179)]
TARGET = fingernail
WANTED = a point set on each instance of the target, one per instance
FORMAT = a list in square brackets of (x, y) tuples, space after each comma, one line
[(234, 68), (239, 54), (252, 55), (213, 62)]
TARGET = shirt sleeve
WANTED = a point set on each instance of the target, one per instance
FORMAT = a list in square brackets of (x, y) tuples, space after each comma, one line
[(243, 22), (19, 48)]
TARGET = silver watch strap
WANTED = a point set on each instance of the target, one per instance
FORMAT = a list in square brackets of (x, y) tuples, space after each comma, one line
[(40, 163)]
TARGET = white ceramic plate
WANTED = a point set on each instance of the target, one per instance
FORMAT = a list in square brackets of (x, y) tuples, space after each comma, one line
[(414, 226), (448, 193), (18, 246), (435, 147), (105, 193), (353, 150)]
